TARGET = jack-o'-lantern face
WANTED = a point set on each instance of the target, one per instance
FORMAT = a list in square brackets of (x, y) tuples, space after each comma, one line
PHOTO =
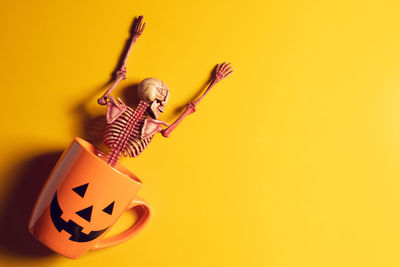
[(73, 228)]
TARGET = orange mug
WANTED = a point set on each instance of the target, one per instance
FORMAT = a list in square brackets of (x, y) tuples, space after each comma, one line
[(82, 199)]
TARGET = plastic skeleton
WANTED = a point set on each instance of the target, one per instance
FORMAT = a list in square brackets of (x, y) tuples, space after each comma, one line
[(129, 131)]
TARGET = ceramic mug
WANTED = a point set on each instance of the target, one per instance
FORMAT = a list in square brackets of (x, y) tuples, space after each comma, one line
[(82, 199)]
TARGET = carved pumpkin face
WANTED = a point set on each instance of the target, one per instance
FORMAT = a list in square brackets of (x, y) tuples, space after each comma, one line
[(77, 227)]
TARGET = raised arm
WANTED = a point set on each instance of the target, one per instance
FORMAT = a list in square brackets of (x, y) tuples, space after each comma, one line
[(223, 70), (121, 73)]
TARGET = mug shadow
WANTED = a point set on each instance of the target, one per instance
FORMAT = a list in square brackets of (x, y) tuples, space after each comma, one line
[(29, 178)]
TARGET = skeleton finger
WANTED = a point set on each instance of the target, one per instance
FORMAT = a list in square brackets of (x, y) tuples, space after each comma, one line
[(225, 67), (229, 73), (222, 67), (141, 30), (218, 67), (228, 70), (139, 22)]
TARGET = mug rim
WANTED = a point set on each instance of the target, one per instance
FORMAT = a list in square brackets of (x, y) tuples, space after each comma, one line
[(89, 148)]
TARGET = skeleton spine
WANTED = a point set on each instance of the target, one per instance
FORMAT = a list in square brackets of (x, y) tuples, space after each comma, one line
[(120, 135)]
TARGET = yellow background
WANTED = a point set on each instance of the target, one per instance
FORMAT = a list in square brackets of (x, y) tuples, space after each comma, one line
[(294, 160)]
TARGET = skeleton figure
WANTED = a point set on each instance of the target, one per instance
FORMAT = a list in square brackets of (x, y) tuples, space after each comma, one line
[(129, 131)]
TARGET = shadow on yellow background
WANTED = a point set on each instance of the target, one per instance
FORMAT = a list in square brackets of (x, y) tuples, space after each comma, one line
[(291, 161)]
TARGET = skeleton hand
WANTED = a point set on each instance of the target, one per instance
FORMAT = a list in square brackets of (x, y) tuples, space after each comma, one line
[(137, 31), (223, 71)]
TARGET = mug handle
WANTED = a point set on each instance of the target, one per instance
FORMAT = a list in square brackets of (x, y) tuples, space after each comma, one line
[(131, 231)]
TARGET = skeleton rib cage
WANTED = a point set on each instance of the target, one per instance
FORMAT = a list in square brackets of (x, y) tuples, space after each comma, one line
[(124, 134)]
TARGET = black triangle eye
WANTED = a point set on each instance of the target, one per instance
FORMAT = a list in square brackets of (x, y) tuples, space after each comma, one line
[(81, 190), (86, 213), (109, 208)]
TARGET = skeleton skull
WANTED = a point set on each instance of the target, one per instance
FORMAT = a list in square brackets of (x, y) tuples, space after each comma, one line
[(155, 92)]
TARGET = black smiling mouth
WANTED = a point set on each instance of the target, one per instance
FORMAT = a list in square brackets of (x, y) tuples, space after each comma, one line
[(70, 227)]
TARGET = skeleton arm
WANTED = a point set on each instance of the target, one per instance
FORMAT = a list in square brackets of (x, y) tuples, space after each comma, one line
[(223, 70), (121, 73)]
